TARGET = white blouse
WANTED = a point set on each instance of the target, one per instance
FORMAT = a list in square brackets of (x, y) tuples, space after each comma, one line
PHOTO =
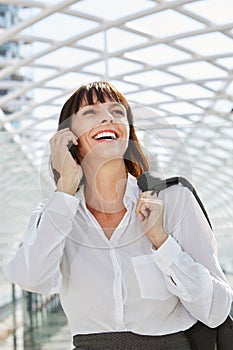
[(122, 284)]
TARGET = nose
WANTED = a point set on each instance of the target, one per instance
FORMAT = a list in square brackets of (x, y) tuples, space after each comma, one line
[(106, 117)]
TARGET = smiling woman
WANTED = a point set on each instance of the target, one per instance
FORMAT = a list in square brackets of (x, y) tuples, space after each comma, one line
[(133, 271), (102, 130), (100, 105)]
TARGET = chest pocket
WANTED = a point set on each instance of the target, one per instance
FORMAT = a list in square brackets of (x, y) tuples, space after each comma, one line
[(150, 279)]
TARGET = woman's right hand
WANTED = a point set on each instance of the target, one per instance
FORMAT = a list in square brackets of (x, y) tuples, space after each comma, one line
[(62, 161)]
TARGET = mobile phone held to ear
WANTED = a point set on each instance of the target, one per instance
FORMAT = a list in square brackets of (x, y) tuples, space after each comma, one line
[(71, 148)]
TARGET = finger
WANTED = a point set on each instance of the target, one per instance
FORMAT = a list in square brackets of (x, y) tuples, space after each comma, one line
[(138, 206), (145, 212), (146, 197), (145, 207), (148, 203), (142, 209), (148, 194), (141, 217), (59, 133), (140, 202), (152, 201), (63, 130), (67, 137)]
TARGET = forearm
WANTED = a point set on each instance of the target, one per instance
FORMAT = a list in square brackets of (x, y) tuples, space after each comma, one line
[(36, 265), (208, 298), (157, 236)]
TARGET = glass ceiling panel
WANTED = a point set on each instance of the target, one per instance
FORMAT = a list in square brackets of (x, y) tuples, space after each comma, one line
[(229, 89), (226, 131), (188, 91), (219, 153), (152, 78), (214, 85), (118, 39), (215, 11), (113, 66), (27, 49), (37, 74), (198, 70), (27, 12), (61, 100), (100, 67), (158, 55), (229, 172), (44, 111), (165, 23), (208, 44), (45, 125), (207, 133), (66, 57), (212, 119), (112, 10), (204, 103), (118, 66), (123, 86), (114, 39), (181, 108), (40, 95), (59, 26), (71, 80), (178, 121), (223, 105), (147, 97), (95, 41), (226, 62)]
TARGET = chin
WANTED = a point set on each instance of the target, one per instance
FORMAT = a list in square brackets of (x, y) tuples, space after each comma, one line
[(108, 156), (105, 151)]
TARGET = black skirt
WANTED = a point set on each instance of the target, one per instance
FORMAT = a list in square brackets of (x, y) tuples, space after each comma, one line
[(130, 341)]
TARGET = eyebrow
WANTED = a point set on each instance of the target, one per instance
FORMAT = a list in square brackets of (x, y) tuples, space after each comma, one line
[(116, 104), (113, 104)]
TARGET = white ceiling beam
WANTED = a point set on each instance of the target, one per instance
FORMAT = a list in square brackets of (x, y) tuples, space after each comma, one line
[(18, 93), (17, 140), (47, 11), (43, 5), (9, 70)]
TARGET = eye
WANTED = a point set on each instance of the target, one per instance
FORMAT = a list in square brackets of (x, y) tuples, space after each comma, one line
[(89, 112), (118, 112)]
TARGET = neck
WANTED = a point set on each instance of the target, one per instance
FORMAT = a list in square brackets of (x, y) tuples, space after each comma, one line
[(105, 186)]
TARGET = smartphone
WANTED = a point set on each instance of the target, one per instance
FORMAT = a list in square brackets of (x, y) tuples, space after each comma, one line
[(72, 151)]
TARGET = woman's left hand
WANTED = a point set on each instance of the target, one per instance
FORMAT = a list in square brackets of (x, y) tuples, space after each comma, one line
[(150, 212)]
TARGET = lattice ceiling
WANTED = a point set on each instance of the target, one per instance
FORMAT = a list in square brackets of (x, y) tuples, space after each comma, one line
[(172, 59)]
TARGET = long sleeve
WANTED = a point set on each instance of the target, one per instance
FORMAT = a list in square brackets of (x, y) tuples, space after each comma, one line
[(36, 264), (189, 264)]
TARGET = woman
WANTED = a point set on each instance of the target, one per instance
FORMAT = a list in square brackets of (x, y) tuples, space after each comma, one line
[(133, 270)]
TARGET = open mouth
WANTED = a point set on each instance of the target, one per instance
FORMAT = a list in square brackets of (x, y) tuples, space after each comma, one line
[(106, 135)]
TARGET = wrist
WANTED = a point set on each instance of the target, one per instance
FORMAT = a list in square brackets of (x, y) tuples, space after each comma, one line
[(157, 238), (63, 187)]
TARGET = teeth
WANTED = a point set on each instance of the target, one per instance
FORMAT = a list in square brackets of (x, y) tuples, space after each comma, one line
[(105, 134)]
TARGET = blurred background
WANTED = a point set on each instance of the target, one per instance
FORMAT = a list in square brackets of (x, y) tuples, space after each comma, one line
[(173, 60)]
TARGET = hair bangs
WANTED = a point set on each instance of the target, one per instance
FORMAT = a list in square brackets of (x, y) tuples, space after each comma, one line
[(99, 92)]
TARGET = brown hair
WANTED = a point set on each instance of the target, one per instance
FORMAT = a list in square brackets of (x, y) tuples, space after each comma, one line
[(135, 161)]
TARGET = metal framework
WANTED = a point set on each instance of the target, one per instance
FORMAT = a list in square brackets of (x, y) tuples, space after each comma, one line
[(173, 59)]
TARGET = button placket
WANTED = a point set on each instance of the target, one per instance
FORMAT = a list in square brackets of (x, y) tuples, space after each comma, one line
[(117, 290)]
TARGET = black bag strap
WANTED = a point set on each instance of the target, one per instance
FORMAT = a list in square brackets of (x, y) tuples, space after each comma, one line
[(150, 182)]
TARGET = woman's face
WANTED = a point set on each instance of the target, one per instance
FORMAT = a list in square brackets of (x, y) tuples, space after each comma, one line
[(102, 130)]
